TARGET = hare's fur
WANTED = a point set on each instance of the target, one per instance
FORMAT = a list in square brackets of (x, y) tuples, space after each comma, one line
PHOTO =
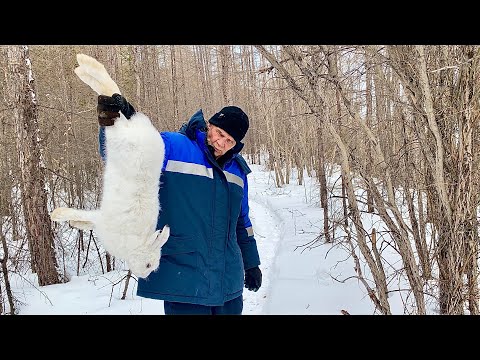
[(126, 220)]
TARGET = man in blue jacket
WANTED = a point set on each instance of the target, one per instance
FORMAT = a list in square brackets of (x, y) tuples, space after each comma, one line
[(211, 253)]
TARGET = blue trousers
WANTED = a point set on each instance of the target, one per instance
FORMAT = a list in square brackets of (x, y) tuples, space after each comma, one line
[(232, 307)]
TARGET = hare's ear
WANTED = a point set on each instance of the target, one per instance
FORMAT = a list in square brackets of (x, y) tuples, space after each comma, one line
[(158, 239)]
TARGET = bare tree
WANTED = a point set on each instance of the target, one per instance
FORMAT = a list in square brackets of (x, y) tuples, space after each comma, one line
[(21, 97), (3, 263), (308, 91), (174, 82), (443, 90), (224, 69)]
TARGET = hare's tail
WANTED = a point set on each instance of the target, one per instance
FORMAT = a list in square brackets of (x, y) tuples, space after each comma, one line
[(93, 73), (80, 219)]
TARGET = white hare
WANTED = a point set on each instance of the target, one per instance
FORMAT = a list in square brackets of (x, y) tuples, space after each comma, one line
[(126, 220)]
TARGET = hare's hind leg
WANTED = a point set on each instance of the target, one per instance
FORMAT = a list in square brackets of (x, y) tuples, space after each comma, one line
[(93, 73)]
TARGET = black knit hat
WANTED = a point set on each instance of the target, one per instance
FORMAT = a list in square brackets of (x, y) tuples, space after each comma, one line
[(233, 120)]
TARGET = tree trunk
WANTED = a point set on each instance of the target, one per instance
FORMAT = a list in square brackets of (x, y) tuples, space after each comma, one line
[(224, 73), (368, 99), (174, 83), (8, 288), (22, 98)]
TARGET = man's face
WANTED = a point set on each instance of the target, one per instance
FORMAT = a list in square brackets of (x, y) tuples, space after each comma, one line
[(220, 140)]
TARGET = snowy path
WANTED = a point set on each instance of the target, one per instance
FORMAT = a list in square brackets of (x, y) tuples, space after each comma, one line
[(292, 281), (295, 281), (267, 229)]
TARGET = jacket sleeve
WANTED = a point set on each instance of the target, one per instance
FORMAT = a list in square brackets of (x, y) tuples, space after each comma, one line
[(245, 236), (101, 142)]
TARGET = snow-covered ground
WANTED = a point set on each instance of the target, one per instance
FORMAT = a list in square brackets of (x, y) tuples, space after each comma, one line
[(296, 279)]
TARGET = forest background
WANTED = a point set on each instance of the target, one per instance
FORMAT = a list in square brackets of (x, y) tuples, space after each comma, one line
[(401, 121)]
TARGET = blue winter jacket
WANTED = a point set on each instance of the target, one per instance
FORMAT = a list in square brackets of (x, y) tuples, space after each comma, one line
[(211, 237)]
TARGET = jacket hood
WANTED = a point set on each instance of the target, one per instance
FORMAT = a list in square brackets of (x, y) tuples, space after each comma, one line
[(196, 122)]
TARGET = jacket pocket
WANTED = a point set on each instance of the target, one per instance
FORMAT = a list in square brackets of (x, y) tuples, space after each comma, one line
[(180, 272), (179, 245), (234, 272)]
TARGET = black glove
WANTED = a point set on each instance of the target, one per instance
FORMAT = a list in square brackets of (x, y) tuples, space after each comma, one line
[(109, 107), (253, 278)]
